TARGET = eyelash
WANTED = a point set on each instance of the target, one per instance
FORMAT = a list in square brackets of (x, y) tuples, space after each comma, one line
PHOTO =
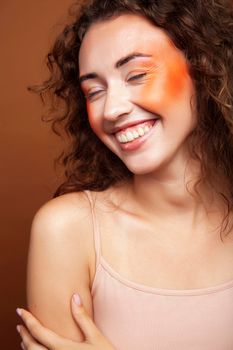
[(134, 77), (137, 76), (92, 94)]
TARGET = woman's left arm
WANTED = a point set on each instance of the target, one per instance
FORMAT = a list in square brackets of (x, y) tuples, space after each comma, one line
[(36, 337)]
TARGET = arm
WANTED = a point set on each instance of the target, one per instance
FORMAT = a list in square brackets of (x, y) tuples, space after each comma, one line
[(58, 263), (36, 337)]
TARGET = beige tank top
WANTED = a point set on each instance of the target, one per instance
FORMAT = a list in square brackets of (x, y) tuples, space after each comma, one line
[(136, 317)]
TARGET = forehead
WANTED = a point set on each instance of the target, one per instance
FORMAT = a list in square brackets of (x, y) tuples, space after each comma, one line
[(107, 41)]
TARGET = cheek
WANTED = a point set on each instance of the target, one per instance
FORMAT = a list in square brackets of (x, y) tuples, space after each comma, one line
[(93, 120), (177, 79), (89, 112), (164, 88), (91, 117)]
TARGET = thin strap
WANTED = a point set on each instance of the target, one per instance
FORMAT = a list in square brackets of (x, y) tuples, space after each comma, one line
[(96, 231)]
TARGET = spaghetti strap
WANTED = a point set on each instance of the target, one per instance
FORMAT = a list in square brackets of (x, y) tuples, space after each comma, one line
[(96, 232)]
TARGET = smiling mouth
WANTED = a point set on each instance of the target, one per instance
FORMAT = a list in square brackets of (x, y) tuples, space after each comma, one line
[(135, 132)]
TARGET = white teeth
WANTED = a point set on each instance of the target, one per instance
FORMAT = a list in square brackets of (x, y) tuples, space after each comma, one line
[(129, 136), (124, 138), (141, 131), (133, 134)]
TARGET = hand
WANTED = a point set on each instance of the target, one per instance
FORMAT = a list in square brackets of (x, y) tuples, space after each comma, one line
[(37, 337)]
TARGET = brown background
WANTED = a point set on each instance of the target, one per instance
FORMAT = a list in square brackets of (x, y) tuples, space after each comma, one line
[(28, 147)]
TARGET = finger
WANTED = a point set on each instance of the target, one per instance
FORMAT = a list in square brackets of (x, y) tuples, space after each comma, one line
[(23, 346), (41, 334), (29, 343), (83, 319)]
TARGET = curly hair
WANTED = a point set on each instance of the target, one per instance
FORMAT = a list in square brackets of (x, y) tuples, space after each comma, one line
[(203, 31)]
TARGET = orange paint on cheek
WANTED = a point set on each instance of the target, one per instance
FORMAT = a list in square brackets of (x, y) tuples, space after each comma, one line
[(176, 78), (90, 114), (92, 118), (165, 85), (89, 110)]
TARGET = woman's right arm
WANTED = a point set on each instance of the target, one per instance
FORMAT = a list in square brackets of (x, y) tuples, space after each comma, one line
[(58, 263)]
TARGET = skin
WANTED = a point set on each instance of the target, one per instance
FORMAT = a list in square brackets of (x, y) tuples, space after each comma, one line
[(46, 339), (158, 84), (119, 98), (164, 89)]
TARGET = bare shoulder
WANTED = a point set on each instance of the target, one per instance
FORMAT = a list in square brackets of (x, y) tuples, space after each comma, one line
[(65, 222), (62, 212), (58, 261)]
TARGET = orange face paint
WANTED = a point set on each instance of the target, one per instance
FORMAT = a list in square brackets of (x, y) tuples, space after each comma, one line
[(164, 83), (155, 83)]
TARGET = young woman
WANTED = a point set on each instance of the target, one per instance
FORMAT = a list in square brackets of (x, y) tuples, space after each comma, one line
[(142, 227)]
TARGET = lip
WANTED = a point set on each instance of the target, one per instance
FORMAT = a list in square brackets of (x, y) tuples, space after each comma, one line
[(128, 125), (135, 144)]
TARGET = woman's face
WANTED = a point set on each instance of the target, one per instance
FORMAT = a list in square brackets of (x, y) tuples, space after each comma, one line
[(138, 92)]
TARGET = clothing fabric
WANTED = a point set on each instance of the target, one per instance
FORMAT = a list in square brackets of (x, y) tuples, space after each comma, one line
[(137, 317)]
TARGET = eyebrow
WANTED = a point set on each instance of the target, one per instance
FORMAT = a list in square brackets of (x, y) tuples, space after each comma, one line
[(121, 62)]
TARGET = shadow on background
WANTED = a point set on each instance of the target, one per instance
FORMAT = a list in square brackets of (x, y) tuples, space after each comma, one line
[(28, 147)]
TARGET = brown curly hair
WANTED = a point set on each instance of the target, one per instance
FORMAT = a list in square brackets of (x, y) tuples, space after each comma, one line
[(203, 31)]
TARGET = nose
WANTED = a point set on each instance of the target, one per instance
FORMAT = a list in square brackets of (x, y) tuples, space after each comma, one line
[(117, 103)]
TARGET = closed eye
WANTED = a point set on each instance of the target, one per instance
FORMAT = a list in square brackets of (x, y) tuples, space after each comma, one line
[(91, 95), (137, 76)]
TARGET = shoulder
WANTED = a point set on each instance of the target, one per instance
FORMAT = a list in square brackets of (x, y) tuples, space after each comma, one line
[(60, 249), (63, 227), (62, 212)]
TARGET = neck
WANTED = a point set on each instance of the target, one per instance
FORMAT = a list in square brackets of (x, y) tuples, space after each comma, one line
[(171, 195)]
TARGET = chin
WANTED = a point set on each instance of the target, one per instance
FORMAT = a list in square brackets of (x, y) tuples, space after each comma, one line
[(142, 168), (150, 164)]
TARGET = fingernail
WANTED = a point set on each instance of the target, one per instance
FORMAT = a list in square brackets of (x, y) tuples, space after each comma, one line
[(19, 312), (18, 329), (77, 300)]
